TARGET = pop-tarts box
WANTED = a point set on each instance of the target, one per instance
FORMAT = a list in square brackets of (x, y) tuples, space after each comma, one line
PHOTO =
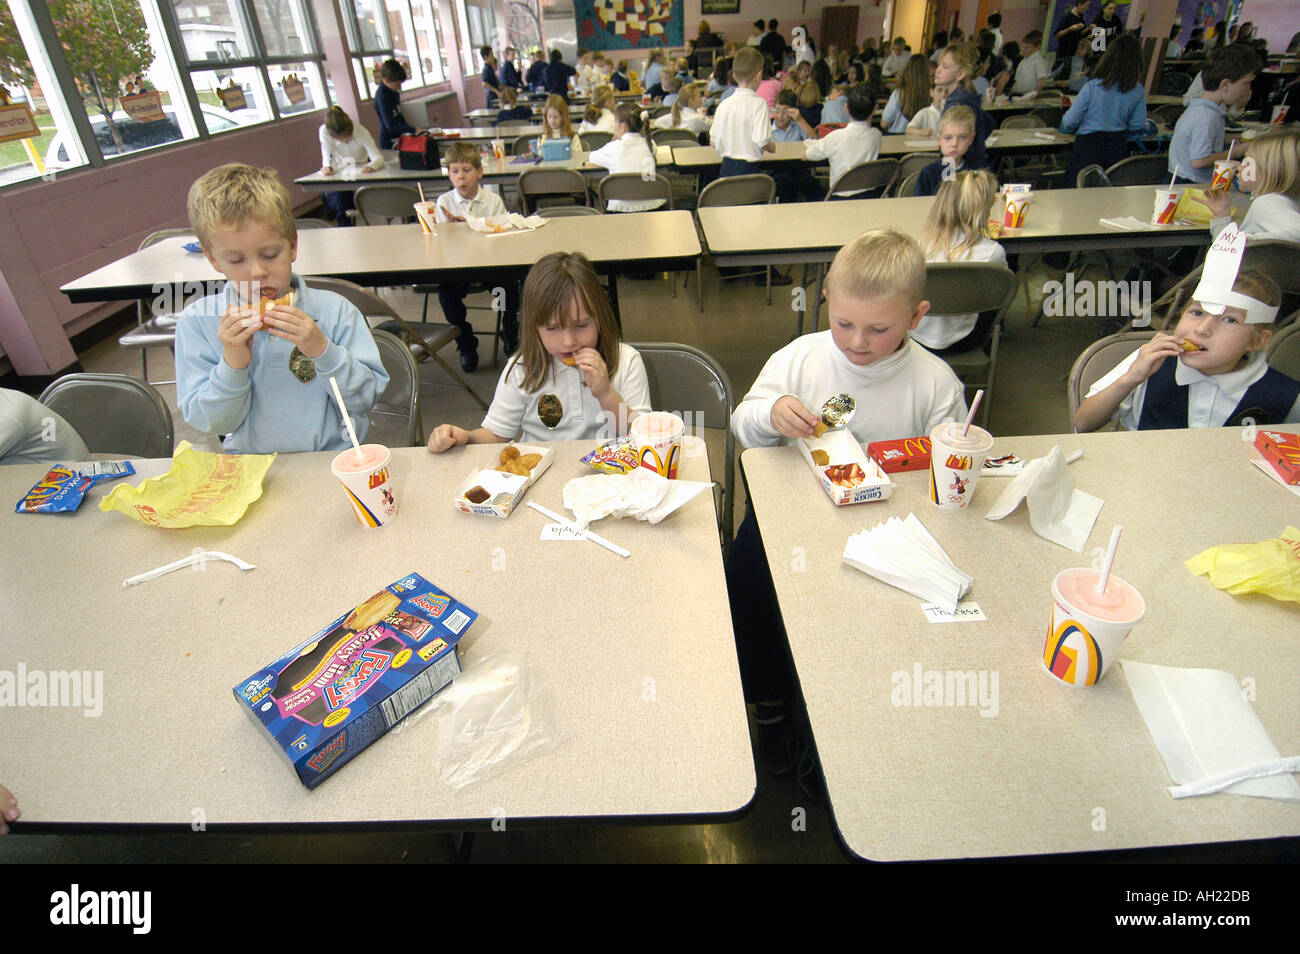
[(324, 701)]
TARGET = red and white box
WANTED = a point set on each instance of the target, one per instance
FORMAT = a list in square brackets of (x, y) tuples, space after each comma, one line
[(904, 454), (1282, 450)]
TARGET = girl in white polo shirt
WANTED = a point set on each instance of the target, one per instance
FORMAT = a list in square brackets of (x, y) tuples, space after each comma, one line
[(628, 151)]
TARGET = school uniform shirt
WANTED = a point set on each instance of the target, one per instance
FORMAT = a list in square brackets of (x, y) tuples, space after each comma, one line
[(925, 120), (836, 111), (514, 412), (628, 153), (361, 150), (689, 119), (928, 182), (620, 82), (490, 78), (792, 132), (670, 99), (894, 63), (391, 121), (742, 126), (1105, 109), (1271, 216), (604, 124), (510, 75), (25, 423), (984, 126), (903, 395), (997, 40), (856, 143), (536, 77), (485, 203), (514, 112), (1029, 71), (1197, 134), (939, 331), (557, 78), (265, 408), (653, 74), (893, 120), (1209, 399)]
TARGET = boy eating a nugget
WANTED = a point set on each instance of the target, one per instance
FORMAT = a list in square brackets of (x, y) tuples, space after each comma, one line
[(254, 361), (874, 294)]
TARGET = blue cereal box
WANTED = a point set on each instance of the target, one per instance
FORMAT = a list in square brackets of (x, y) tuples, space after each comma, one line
[(329, 698)]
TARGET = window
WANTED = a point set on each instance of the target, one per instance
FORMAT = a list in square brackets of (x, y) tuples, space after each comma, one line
[(428, 40), (405, 30)]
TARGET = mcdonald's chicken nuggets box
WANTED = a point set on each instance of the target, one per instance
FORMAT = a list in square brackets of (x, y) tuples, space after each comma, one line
[(846, 474), (1282, 451), (908, 454), (326, 700), (496, 492)]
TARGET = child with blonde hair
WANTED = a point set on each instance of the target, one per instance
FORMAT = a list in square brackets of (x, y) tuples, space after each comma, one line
[(955, 75), (957, 130), (570, 350), (599, 114), (687, 112), (1271, 173), (956, 230)]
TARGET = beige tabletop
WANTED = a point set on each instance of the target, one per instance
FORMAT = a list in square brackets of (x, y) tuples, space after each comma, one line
[(403, 255), (508, 133), (647, 695), (1055, 769), (814, 231)]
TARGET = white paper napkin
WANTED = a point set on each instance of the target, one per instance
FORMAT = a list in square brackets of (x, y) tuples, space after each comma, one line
[(903, 554), (1267, 468), (640, 493), (503, 224), (1057, 511), (1128, 223), (1203, 727)]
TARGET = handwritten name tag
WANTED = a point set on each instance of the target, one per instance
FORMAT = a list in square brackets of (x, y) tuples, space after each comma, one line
[(968, 611)]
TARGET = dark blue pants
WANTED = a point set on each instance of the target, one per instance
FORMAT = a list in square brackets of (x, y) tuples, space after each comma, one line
[(452, 299), (737, 167), (339, 204), (756, 617)]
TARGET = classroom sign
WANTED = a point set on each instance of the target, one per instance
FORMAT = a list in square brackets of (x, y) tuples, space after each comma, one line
[(143, 107), (232, 97), (17, 122)]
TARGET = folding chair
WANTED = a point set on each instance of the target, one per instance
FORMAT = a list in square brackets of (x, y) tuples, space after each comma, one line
[(909, 165), (156, 330), (907, 187), (753, 189), (1098, 360), (869, 178), (113, 413), (661, 136), (633, 187), (1023, 121), (591, 141), (395, 419), (1283, 351), (386, 202), (538, 186), (564, 211), (1140, 170)]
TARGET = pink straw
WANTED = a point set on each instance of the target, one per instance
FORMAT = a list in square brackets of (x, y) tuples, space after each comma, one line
[(974, 406), (1104, 578)]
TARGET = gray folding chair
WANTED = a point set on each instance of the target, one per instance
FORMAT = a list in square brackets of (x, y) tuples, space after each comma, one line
[(1023, 121), (113, 413), (543, 187), (422, 339), (385, 202), (752, 189), (591, 141), (685, 379), (152, 329), (872, 176), (395, 419), (661, 136), (907, 187), (1283, 351), (909, 165), (1091, 177), (523, 145), (563, 211), (301, 224), (1098, 360), (960, 288), (633, 187), (1140, 170)]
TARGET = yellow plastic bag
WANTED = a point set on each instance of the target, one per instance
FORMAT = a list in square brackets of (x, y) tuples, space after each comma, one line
[(1271, 567), (200, 490), (1189, 210)]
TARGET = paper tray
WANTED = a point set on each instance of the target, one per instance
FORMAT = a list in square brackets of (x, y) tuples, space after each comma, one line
[(843, 450), (496, 482)]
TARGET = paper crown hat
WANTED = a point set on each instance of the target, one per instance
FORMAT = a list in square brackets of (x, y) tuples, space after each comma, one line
[(1214, 290)]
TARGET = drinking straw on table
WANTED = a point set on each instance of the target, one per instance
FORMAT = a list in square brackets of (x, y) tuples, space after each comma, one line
[(347, 421), (974, 406), (594, 538), (191, 560), (1110, 559), (420, 187)]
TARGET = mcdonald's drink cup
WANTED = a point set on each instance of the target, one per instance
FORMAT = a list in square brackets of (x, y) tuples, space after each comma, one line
[(1225, 170), (1279, 114), (427, 213), (498, 149), (658, 439), (955, 463), (1017, 200), (368, 483), (1087, 631), (1166, 205)]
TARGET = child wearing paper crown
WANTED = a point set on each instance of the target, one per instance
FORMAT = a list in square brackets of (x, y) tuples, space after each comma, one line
[(874, 296), (1219, 375), (250, 366)]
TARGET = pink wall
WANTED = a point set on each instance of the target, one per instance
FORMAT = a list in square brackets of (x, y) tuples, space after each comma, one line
[(1275, 20), (789, 14)]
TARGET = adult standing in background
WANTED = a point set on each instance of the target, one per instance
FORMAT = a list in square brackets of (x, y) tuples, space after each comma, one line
[(510, 70), (757, 29), (1108, 21), (995, 27), (706, 39), (773, 44), (558, 75), (1069, 31)]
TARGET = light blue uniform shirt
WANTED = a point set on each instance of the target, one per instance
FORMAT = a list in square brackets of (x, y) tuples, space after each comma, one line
[(1099, 109), (1199, 133), (793, 132), (892, 119), (265, 408), (836, 110)]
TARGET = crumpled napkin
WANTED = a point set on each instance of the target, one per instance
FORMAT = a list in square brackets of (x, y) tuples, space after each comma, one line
[(200, 490), (1057, 511), (640, 493), (501, 224), (1271, 567)]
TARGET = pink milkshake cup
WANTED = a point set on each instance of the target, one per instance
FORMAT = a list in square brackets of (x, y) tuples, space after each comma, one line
[(955, 463), (1087, 631), (368, 483), (657, 437)]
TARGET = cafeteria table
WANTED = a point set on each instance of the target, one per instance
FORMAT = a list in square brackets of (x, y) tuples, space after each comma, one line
[(647, 702), (1037, 767)]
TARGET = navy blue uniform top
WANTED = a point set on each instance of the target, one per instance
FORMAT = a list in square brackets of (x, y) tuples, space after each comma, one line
[(557, 78), (510, 75), (489, 77), (621, 83), (391, 121), (537, 76)]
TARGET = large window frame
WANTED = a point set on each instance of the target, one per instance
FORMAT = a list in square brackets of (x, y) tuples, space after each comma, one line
[(365, 60)]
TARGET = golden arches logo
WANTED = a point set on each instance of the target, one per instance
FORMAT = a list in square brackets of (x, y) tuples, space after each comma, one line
[(1061, 653), (958, 462), (650, 458)]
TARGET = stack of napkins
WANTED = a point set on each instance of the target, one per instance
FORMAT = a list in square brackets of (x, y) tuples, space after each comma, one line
[(1128, 224), (903, 554), (640, 493)]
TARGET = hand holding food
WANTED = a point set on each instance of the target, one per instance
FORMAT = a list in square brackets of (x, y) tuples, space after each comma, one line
[(593, 369), (1151, 355), (234, 335), (791, 419)]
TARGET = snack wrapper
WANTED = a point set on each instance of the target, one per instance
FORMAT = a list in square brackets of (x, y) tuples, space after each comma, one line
[(1271, 567), (617, 456), (1190, 211), (200, 490), (63, 488)]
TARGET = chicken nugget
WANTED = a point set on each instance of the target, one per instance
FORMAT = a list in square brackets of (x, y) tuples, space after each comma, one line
[(821, 458), (514, 467), (819, 429), (509, 454), (530, 460)]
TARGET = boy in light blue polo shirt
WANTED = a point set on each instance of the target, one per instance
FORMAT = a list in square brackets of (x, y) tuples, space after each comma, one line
[(1198, 137)]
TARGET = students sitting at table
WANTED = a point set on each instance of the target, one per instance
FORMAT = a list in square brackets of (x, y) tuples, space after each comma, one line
[(1274, 183), (856, 143), (388, 101), (910, 97), (509, 111), (1110, 108), (619, 78), (926, 121), (466, 198), (628, 151), (956, 136), (491, 82), (571, 350), (1198, 135), (1161, 385), (651, 80), (262, 377), (672, 88), (896, 60), (558, 75), (558, 124), (1031, 72), (343, 144), (742, 126), (874, 294), (954, 75), (687, 112), (31, 433), (536, 77), (785, 119), (599, 114), (956, 230), (835, 111), (717, 79)]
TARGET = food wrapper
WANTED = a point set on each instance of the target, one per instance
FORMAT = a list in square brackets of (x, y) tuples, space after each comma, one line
[(1271, 567), (617, 456), (501, 224), (63, 488), (200, 490), (1189, 210)]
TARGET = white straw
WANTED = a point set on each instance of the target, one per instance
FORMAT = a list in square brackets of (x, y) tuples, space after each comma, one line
[(1173, 178), (974, 406), (1110, 559), (347, 421), (611, 547), (420, 187), (1232, 147)]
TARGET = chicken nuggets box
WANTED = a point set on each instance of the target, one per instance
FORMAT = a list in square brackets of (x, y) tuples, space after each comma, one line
[(498, 492), (324, 701), (1282, 450), (846, 474), (912, 453)]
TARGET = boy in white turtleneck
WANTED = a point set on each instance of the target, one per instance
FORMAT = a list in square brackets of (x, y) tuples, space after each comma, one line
[(874, 292)]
